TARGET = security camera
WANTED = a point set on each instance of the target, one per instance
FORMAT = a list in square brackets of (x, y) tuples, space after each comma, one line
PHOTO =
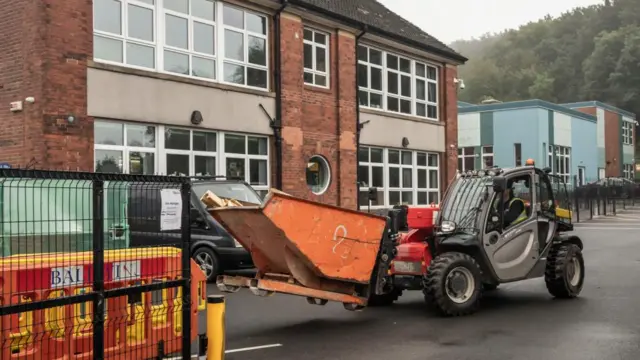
[(460, 83), (462, 86)]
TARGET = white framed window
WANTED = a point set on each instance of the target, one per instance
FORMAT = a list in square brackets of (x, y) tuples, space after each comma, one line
[(149, 149), (627, 133), (400, 176), (125, 148), (560, 161), (397, 84), (487, 156), (316, 58), (203, 39), (466, 159), (627, 171)]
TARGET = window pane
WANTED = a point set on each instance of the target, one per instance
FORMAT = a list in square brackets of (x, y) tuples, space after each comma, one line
[(407, 197), (433, 160), (321, 61), (204, 9), (405, 106), (321, 38), (422, 159), (233, 17), (140, 21), (176, 33), (433, 197), (235, 169), (204, 68), (234, 144), (233, 45), (405, 65), (308, 35), (363, 53), (257, 145), (422, 198), (177, 165), (177, 139), (394, 198), (141, 163), (308, 56), (257, 51), (376, 155), (107, 16), (258, 172), (257, 24), (108, 133), (204, 141), (405, 85), (177, 5), (141, 136), (321, 80), (363, 176), (257, 77), (203, 38), (392, 83), (363, 154), (468, 151), (421, 70), (394, 177), (364, 198), (308, 78), (393, 104), (432, 112), (420, 90), (487, 149), (108, 161), (432, 73), (468, 163), (234, 73), (375, 101), (377, 177), (432, 92), (392, 62), (375, 57), (421, 109), (433, 179), (488, 161), (407, 158), (422, 179), (205, 165), (394, 157), (175, 62), (376, 79), (107, 49), (139, 55), (407, 178)]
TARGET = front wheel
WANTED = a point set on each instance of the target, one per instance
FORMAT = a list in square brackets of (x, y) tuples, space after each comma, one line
[(207, 261), (564, 274), (453, 284)]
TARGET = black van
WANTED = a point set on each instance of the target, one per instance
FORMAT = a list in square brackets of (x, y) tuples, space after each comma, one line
[(212, 247)]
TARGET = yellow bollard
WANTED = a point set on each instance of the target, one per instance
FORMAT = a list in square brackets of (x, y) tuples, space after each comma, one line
[(215, 327)]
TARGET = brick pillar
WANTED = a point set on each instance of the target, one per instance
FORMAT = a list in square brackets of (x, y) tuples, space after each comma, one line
[(450, 116)]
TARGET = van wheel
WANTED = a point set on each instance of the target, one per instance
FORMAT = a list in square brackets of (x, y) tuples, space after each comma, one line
[(207, 261)]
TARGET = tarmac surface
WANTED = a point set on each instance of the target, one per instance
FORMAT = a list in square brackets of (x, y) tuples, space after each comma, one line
[(518, 321)]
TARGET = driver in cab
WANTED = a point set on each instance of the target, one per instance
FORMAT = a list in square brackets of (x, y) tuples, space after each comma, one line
[(514, 208)]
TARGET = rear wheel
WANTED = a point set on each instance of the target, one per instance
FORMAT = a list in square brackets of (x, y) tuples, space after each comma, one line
[(207, 261), (385, 299), (453, 284), (564, 274)]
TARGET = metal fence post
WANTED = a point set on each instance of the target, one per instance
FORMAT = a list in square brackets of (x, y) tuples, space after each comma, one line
[(185, 191), (98, 269)]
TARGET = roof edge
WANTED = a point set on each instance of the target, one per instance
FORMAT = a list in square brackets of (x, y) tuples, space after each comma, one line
[(600, 104), (523, 104), (372, 29)]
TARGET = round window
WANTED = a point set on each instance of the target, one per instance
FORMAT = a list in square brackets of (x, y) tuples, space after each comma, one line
[(318, 174)]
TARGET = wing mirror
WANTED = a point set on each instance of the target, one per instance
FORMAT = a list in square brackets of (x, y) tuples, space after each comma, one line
[(499, 184)]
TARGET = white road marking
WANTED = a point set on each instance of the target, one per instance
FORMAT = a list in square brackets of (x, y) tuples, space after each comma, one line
[(204, 357), (610, 228)]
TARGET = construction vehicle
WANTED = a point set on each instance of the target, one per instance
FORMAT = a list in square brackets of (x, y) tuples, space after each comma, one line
[(325, 253)]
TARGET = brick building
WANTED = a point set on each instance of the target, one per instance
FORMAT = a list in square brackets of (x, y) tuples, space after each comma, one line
[(191, 87)]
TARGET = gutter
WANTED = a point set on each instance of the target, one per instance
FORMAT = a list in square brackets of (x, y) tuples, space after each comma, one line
[(276, 124), (358, 125), (372, 29)]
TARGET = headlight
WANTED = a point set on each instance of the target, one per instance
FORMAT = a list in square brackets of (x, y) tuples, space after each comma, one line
[(448, 226)]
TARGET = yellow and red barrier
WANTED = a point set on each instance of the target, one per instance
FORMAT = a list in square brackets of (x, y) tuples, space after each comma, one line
[(131, 326)]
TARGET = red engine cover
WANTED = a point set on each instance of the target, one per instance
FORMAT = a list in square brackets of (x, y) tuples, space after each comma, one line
[(413, 252), (422, 217)]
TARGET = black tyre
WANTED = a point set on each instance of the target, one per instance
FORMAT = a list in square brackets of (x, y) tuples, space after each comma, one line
[(453, 284), (564, 274), (384, 300), (207, 260), (489, 287)]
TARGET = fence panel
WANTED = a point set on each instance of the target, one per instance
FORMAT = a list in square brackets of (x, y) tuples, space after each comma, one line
[(77, 282), (603, 197)]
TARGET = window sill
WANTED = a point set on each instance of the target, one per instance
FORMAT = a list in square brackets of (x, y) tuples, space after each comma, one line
[(177, 78), (317, 88), (400, 116)]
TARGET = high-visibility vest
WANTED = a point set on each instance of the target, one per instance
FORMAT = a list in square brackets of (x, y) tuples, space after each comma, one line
[(523, 215)]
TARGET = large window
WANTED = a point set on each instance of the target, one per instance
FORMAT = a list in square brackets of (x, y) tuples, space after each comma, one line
[(466, 159), (560, 160), (487, 156), (203, 39), (627, 171), (146, 149), (316, 58), (400, 176), (397, 84), (627, 133)]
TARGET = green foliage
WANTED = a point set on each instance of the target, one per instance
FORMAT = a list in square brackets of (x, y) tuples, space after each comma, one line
[(589, 53)]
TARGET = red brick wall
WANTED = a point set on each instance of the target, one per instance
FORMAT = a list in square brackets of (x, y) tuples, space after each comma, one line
[(45, 47), (612, 144), (449, 113), (319, 121)]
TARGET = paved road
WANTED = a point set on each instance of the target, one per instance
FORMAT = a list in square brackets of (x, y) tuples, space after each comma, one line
[(519, 321)]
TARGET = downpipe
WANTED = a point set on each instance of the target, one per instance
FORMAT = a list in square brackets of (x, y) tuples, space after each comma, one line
[(276, 123), (358, 125)]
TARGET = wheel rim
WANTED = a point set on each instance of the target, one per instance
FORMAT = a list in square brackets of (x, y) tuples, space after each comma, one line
[(460, 285), (574, 271), (205, 261)]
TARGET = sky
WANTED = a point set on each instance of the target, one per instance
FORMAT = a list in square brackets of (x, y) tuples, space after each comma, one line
[(450, 20)]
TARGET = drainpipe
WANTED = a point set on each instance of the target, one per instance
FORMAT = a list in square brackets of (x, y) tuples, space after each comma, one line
[(358, 125), (276, 124)]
